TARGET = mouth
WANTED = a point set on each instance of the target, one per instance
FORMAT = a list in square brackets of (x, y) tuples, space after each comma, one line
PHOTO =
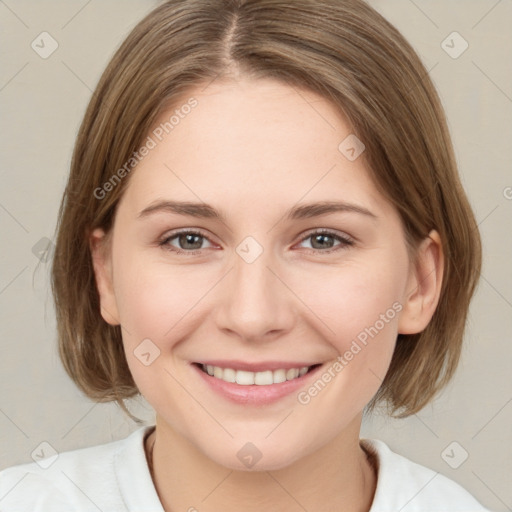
[(259, 378), (256, 384)]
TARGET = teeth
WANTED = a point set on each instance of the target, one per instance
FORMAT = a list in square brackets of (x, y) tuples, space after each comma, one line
[(292, 373), (229, 375), (279, 376), (264, 378), (245, 378)]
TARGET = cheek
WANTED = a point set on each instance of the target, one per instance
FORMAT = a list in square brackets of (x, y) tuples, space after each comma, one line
[(359, 307), (157, 300), (157, 303), (352, 299)]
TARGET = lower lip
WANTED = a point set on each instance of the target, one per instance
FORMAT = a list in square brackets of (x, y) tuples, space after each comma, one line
[(254, 394)]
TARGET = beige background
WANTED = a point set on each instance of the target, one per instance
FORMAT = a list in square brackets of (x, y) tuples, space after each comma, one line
[(42, 102)]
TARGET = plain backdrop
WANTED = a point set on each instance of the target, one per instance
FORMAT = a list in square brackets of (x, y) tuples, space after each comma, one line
[(42, 103)]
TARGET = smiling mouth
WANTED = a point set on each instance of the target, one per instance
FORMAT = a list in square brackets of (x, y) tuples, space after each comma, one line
[(247, 378)]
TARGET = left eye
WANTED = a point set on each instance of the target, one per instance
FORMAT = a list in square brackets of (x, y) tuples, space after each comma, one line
[(319, 238), (190, 241)]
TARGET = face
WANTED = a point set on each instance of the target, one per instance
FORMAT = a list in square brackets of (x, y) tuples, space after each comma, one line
[(258, 287)]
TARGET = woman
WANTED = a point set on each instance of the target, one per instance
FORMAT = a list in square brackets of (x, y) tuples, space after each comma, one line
[(249, 129)]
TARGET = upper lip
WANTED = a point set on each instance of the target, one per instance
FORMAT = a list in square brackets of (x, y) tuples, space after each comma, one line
[(256, 367)]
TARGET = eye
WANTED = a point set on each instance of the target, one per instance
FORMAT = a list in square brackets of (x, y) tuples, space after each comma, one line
[(322, 241), (190, 242), (187, 241)]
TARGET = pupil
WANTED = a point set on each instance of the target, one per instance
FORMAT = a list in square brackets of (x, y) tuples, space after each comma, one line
[(322, 237), (186, 238)]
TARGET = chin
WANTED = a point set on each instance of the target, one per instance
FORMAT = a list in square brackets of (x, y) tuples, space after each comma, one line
[(256, 456)]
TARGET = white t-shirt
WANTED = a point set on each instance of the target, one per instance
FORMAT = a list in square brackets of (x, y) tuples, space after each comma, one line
[(114, 477)]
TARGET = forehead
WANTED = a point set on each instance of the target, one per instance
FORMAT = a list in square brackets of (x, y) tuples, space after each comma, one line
[(250, 144)]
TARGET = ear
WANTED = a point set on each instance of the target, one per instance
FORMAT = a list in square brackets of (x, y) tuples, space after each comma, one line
[(99, 244), (423, 287)]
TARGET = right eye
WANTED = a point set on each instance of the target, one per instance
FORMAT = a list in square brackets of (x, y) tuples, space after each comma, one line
[(188, 241)]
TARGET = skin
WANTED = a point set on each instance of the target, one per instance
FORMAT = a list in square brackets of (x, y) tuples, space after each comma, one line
[(254, 149)]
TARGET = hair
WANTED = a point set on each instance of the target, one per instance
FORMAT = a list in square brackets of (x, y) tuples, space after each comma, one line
[(343, 50)]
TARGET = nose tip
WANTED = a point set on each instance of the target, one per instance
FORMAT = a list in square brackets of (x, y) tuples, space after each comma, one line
[(256, 304)]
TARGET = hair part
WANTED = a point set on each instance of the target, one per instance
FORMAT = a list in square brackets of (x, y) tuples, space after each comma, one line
[(344, 51)]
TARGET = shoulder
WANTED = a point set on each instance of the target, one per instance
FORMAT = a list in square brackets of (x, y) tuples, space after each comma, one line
[(22, 489), (78, 480), (410, 487)]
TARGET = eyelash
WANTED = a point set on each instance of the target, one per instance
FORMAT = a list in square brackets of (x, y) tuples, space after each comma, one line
[(345, 241)]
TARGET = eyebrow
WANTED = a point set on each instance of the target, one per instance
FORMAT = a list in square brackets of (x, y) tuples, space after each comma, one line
[(206, 211)]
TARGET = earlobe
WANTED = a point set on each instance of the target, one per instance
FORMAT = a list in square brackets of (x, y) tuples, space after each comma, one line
[(102, 263), (423, 287)]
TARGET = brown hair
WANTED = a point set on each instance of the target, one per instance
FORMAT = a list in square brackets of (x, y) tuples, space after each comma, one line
[(343, 50)]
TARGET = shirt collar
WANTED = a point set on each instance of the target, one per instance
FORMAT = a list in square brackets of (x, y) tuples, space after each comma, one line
[(132, 473)]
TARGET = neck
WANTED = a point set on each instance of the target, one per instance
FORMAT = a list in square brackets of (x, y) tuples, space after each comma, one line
[(338, 476)]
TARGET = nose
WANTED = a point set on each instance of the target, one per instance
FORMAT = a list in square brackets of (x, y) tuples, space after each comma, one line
[(257, 304)]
